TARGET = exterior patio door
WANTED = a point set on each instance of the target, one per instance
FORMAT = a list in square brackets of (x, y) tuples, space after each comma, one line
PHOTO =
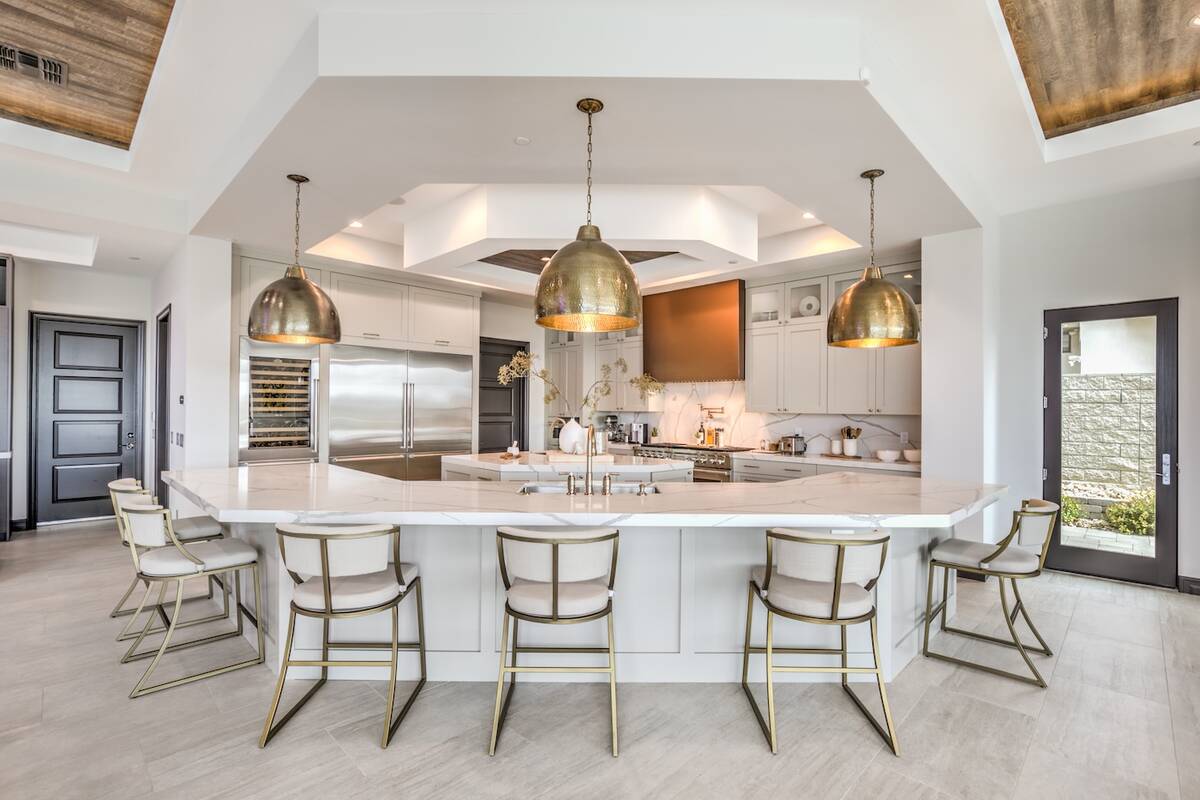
[(1111, 435)]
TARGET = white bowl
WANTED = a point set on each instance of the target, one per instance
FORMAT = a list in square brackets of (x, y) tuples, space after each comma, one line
[(887, 456), (913, 456)]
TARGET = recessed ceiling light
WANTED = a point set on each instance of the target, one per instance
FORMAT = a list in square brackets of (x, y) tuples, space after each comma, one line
[(522, 140), (545, 258), (808, 215), (355, 224), (399, 201), (733, 261), (1195, 21), (908, 276)]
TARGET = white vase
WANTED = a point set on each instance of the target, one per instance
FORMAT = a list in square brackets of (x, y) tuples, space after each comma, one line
[(572, 437)]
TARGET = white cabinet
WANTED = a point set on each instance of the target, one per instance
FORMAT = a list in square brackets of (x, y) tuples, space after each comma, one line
[(565, 365), (371, 309), (851, 380), (625, 396), (755, 471), (764, 306), (764, 360), (256, 273), (444, 319), (883, 381), (786, 368)]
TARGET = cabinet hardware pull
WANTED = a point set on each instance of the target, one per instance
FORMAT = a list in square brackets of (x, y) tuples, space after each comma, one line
[(441, 341), (371, 335)]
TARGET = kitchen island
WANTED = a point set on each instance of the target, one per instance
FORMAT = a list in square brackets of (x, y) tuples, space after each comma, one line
[(685, 557)]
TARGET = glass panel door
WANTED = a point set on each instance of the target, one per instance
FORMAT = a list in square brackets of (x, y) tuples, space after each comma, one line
[(1110, 439)]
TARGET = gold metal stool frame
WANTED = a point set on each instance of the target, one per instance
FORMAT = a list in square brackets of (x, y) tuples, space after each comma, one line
[(502, 698), (119, 610), (1010, 616), (391, 723), (769, 728), (140, 689)]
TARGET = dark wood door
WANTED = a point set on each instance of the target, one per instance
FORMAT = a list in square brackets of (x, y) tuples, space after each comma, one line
[(1111, 407), (502, 409), (162, 404), (87, 414)]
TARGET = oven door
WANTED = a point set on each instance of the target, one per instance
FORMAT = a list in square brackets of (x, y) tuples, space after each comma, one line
[(707, 475)]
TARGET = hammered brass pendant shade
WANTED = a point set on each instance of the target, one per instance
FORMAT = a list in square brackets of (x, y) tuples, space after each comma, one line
[(873, 312), (293, 309), (588, 285)]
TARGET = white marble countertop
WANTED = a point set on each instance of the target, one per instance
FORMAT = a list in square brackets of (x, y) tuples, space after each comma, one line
[(323, 493), (829, 461), (535, 463)]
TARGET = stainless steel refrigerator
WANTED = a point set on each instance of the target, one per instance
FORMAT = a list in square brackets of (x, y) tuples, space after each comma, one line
[(397, 412)]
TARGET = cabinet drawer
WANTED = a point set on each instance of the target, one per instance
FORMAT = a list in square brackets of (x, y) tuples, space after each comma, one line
[(779, 470)]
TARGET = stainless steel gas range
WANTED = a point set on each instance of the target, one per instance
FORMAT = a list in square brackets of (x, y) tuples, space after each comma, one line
[(710, 464)]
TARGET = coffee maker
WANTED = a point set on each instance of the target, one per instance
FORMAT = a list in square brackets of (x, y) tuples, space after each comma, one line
[(639, 433), (613, 431)]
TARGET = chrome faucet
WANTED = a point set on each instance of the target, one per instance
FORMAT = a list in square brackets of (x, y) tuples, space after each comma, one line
[(589, 449)]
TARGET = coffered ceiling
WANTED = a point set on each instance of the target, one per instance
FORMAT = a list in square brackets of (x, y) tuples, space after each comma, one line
[(80, 68), (1088, 62)]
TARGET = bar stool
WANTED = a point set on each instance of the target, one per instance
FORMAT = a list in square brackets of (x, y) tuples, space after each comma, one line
[(556, 576), (348, 575), (1021, 555), (160, 557), (823, 578), (128, 490)]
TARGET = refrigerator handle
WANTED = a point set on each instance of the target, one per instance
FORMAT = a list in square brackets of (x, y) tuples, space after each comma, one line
[(409, 391)]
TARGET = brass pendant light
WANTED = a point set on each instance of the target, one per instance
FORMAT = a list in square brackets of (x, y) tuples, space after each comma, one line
[(293, 309), (588, 285), (873, 312)]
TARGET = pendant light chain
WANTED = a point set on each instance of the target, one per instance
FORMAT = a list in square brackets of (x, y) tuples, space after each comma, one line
[(873, 221), (589, 169), (296, 250)]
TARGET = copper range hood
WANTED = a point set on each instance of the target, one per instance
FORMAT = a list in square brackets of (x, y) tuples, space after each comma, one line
[(696, 334)]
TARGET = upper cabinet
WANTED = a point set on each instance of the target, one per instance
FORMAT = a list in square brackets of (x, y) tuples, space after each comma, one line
[(371, 309), (883, 381), (764, 306), (256, 274), (799, 301), (444, 319), (560, 338), (377, 310), (624, 396), (786, 369)]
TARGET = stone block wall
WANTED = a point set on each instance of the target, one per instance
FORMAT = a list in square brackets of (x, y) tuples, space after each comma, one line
[(1108, 429)]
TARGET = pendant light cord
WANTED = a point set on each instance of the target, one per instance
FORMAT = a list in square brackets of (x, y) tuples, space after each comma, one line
[(589, 169), (872, 220)]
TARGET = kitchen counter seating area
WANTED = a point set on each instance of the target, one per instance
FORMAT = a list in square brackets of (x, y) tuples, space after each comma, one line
[(687, 552)]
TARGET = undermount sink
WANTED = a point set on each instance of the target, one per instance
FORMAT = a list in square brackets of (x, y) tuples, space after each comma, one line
[(560, 487)]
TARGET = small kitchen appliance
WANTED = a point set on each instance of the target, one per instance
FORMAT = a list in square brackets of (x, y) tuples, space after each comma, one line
[(792, 444), (639, 433)]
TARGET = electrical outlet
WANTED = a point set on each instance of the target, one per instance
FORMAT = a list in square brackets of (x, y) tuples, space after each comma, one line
[(904, 438)]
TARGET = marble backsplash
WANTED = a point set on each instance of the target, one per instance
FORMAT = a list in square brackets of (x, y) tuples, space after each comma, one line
[(681, 415)]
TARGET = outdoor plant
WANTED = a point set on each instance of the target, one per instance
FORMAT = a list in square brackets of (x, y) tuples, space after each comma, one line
[(1072, 510), (1133, 516)]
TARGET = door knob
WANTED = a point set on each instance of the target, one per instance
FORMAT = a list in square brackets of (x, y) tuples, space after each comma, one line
[(130, 445)]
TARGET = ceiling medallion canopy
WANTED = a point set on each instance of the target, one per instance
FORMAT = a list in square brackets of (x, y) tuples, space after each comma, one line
[(588, 285), (293, 309), (873, 312)]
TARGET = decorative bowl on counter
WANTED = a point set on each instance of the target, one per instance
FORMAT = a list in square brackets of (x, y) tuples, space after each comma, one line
[(887, 456), (913, 456)]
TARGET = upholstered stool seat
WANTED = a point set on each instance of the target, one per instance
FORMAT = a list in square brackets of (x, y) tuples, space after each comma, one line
[(170, 562), (190, 528), (966, 553), (575, 598), (354, 591), (812, 598), (342, 572)]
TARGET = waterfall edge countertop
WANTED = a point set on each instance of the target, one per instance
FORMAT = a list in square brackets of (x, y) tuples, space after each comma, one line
[(327, 494), (540, 463)]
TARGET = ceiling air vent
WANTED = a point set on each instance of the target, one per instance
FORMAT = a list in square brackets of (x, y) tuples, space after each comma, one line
[(47, 70)]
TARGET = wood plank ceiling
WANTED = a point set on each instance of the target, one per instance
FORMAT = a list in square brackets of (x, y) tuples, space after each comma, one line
[(1088, 62), (108, 48), (532, 261)]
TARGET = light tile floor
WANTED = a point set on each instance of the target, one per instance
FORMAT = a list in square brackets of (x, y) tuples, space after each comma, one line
[(1121, 718)]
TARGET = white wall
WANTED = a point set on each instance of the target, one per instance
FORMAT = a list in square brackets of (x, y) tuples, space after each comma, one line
[(953, 364), (81, 291), (197, 283), (1139, 245), (502, 321)]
